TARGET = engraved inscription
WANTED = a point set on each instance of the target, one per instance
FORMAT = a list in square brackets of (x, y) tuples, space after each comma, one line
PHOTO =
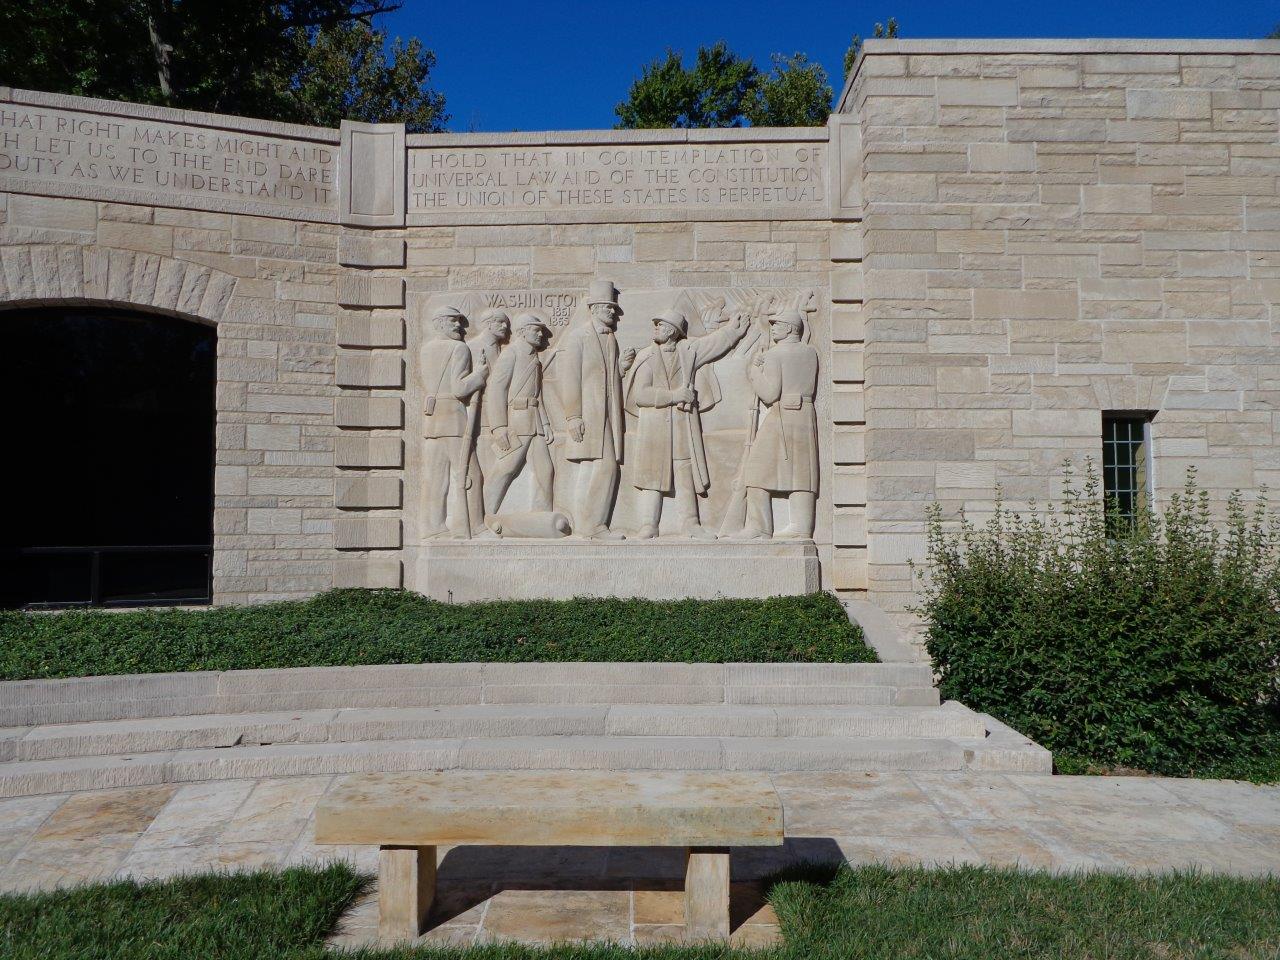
[(633, 177), (146, 159)]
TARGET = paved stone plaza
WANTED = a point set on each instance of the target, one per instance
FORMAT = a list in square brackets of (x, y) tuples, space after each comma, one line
[(538, 894)]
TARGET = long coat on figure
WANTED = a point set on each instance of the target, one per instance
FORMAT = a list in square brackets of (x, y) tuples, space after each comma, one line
[(589, 385), (667, 433), (784, 457)]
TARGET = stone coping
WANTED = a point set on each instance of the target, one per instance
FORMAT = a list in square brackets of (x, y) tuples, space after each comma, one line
[(1048, 45), (589, 137), (146, 111)]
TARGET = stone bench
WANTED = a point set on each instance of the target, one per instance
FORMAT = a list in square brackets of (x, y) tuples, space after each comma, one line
[(409, 815)]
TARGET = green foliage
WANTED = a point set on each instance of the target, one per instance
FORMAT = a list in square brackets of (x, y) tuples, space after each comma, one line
[(350, 627), (883, 31), (832, 913), (796, 93), (304, 61), (723, 89), (263, 914), (1153, 644)]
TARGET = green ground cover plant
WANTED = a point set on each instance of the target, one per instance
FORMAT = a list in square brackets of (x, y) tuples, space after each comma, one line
[(959, 913), (1150, 643), (350, 627)]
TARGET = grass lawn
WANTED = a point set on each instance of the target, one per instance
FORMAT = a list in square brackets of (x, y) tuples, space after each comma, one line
[(350, 627), (872, 912)]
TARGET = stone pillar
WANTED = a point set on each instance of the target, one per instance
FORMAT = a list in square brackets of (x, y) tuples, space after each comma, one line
[(368, 488), (849, 494), (706, 894), (406, 888)]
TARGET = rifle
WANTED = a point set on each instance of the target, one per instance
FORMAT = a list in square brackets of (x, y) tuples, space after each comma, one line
[(467, 441)]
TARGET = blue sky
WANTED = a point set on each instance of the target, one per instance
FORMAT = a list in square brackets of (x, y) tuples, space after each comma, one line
[(559, 65)]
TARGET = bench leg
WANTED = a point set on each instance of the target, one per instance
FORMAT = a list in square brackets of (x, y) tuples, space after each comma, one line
[(406, 887), (706, 894)]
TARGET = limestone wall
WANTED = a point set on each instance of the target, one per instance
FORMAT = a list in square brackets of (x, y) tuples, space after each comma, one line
[(992, 243), (1054, 229), (321, 254)]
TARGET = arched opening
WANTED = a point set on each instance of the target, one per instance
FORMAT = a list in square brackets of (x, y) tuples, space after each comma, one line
[(109, 426)]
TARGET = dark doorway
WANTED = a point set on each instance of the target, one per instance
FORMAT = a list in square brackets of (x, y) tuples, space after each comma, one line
[(108, 422)]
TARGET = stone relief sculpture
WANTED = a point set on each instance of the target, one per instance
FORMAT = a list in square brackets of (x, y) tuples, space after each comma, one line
[(782, 456), (589, 368), (519, 429), (663, 393), (450, 420), (486, 417)]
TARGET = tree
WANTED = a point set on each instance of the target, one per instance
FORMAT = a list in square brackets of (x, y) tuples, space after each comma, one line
[(883, 31), (305, 61), (723, 89), (712, 93), (795, 94)]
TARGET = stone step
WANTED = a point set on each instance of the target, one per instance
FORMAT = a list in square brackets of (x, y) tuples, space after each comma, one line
[(768, 754), (35, 702), (484, 721)]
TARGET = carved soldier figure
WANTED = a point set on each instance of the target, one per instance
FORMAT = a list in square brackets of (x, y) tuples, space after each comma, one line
[(663, 393), (449, 464), (495, 331), (589, 369), (784, 457), (519, 429)]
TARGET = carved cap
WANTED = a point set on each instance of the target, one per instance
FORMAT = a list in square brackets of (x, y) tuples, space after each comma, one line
[(445, 312), (530, 320), (602, 291), (675, 318), (792, 317), (493, 313)]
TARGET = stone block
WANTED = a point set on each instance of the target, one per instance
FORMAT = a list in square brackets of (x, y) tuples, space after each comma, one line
[(368, 451), (369, 412), (547, 808), (1026, 304), (1168, 104), (1002, 157), (365, 492), (370, 328), (357, 290), (274, 520), (273, 436), (52, 213), (369, 369), (846, 243), (367, 533), (1057, 423), (847, 284), (564, 260), (356, 250), (965, 91), (370, 574)]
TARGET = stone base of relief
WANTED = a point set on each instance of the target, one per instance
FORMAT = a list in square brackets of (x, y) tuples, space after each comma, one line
[(461, 571)]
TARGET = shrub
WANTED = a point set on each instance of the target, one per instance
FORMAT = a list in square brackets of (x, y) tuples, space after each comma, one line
[(1151, 644), (350, 627)]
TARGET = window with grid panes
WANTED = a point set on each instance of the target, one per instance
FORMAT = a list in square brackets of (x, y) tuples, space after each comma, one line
[(1125, 463)]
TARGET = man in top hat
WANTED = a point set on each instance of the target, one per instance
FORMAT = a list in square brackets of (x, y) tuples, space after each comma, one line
[(784, 457), (662, 391), (449, 462), (589, 369), (519, 429)]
